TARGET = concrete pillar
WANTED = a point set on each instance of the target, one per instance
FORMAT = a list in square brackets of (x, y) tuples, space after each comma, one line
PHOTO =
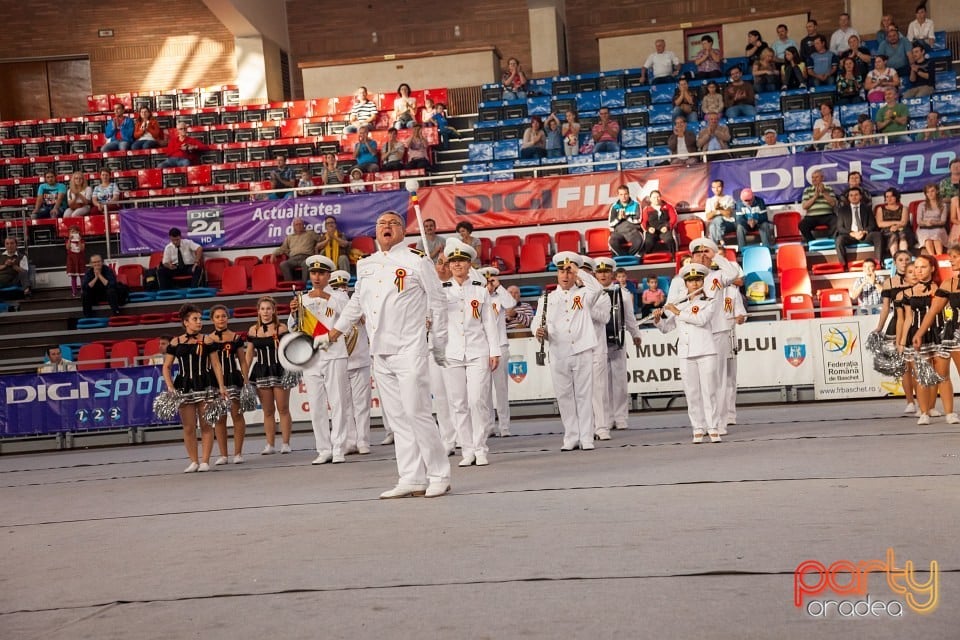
[(548, 52), (865, 17)]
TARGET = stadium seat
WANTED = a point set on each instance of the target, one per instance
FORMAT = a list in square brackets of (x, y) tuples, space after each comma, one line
[(142, 296), (826, 268), (234, 280), (787, 224), (835, 303), (765, 276), (364, 244), (791, 256), (89, 355), (248, 263), (944, 270), (94, 225), (798, 306), (123, 321), (214, 269), (626, 261), (509, 241), (155, 259), (657, 257), (530, 290), (131, 275), (795, 281), (264, 279), (201, 292), (245, 312), (568, 240), (92, 323), (171, 294), (124, 354), (543, 239), (486, 251), (504, 259), (533, 258), (154, 318), (688, 230), (598, 242), (151, 347), (757, 258)]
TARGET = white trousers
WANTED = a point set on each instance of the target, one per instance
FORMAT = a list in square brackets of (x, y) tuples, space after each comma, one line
[(358, 422), (601, 396), (721, 340), (329, 395), (405, 401), (501, 382), (441, 405), (730, 371), (468, 390), (617, 391), (573, 388), (700, 389)]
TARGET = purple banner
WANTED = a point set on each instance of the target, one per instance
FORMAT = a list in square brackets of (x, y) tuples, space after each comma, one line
[(80, 400), (780, 180), (261, 223)]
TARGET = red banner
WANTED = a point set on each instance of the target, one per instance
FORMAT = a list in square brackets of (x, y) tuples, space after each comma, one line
[(557, 199)]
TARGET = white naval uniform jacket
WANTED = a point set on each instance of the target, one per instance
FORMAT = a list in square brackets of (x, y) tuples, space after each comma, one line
[(500, 301), (569, 324), (714, 284), (326, 311), (471, 326), (360, 356), (694, 335), (396, 291), (600, 312)]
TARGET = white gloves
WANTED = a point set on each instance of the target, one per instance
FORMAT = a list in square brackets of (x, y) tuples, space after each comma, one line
[(322, 342)]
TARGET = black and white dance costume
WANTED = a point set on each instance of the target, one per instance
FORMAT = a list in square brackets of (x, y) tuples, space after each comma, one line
[(950, 340), (919, 305), (230, 354), (267, 372), (892, 294), (195, 380)]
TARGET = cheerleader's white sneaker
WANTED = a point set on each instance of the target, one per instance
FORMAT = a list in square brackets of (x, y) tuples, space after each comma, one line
[(953, 418), (923, 419)]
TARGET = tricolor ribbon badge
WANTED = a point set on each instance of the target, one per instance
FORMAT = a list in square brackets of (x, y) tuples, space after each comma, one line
[(401, 274), (577, 303), (694, 309), (716, 284), (728, 304), (496, 310), (476, 308), (329, 312)]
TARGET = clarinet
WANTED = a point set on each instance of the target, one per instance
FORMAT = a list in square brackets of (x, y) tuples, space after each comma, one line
[(542, 354)]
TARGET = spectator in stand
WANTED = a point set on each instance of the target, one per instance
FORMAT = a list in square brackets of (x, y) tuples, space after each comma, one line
[(793, 73), (682, 143), (854, 225), (391, 155), (659, 223), (404, 108), (76, 259), (886, 21), (837, 136), (365, 151), (897, 51), (867, 289), (821, 65), (56, 362), (954, 220), (653, 297), (99, 285), (752, 218), (860, 55), (771, 148), (146, 131), (181, 257), (119, 130), (708, 59), (684, 102), (534, 143), (418, 150), (766, 73), (356, 181), (606, 133), (922, 73), (932, 217), (661, 65), (106, 195), (849, 83), (806, 45), (182, 150), (437, 116), (782, 43), (840, 38), (79, 196), (519, 316), (51, 198), (893, 117), (719, 212), (334, 245), (465, 231), (950, 186), (934, 132), (300, 244), (514, 81), (893, 220), (281, 177), (14, 267), (755, 46), (571, 134), (162, 343), (739, 97), (554, 137), (434, 248), (921, 29), (713, 136), (305, 185), (818, 202), (363, 113), (626, 233), (712, 101), (866, 131), (823, 125), (879, 79), (332, 175)]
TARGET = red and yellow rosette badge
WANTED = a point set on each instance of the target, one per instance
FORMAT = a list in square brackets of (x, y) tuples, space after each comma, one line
[(401, 274), (716, 284), (476, 308), (577, 303), (728, 304), (694, 309)]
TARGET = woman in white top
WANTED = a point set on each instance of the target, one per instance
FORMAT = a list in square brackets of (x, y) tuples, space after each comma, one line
[(823, 125), (404, 108), (932, 216), (879, 79), (106, 195), (79, 196)]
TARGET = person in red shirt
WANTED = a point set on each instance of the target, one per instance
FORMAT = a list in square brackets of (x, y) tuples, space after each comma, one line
[(182, 150), (658, 221)]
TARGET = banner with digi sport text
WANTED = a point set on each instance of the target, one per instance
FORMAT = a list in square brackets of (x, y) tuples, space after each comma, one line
[(782, 179), (558, 199), (259, 223)]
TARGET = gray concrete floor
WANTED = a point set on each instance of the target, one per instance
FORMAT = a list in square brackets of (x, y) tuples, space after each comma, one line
[(646, 537)]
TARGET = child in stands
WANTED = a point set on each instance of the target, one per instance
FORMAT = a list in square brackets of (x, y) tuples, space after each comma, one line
[(76, 259), (653, 296)]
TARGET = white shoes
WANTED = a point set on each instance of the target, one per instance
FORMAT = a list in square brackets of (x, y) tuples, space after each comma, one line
[(405, 491), (323, 458), (923, 419), (284, 448), (698, 437), (953, 418), (338, 458), (603, 435), (193, 467), (588, 446), (722, 430), (715, 436), (238, 459), (203, 467), (437, 489), (467, 461), (268, 450), (221, 460), (388, 439), (910, 408), (482, 460), (363, 449), (505, 433), (935, 413)]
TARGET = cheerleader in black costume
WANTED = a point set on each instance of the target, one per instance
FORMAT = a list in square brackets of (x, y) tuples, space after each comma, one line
[(263, 339), (945, 312), (199, 373), (233, 362), (889, 314)]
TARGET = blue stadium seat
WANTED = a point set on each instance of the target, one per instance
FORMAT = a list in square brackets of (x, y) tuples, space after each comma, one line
[(765, 276), (92, 323), (850, 112), (588, 101), (663, 92), (768, 102), (946, 103), (580, 164), (476, 172), (538, 106), (918, 107), (946, 81), (530, 290), (606, 161), (506, 150), (626, 261), (741, 62), (613, 98), (633, 137), (201, 292), (797, 121), (172, 294), (661, 114), (633, 158), (480, 152), (142, 296), (540, 86), (501, 170), (756, 258)]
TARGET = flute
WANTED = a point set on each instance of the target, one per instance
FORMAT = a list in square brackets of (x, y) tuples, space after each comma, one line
[(650, 317)]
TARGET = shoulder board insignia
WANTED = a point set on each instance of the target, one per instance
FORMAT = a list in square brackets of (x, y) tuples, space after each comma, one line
[(479, 284), (418, 252), (448, 284)]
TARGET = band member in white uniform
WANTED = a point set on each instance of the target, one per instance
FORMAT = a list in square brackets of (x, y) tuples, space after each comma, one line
[(500, 301), (438, 381), (616, 372), (600, 313), (571, 338), (696, 348), (734, 312), (473, 351), (397, 287), (358, 377), (325, 376)]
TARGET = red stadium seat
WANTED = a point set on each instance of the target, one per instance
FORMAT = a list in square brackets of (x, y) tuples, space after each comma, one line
[(533, 259), (688, 230), (944, 270), (94, 225), (245, 312), (835, 303), (787, 224), (234, 281), (598, 242), (214, 268), (264, 279), (509, 241), (154, 318), (124, 354), (679, 258), (486, 251), (123, 321), (364, 244), (825, 268), (504, 259), (155, 259), (794, 282), (151, 347), (90, 352), (567, 240), (657, 257), (798, 306), (791, 256), (542, 239), (248, 263), (131, 275)]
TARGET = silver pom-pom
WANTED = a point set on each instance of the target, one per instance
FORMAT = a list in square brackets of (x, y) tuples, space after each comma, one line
[(889, 364), (291, 379), (249, 398), (166, 405), (926, 375), (874, 342), (215, 409)]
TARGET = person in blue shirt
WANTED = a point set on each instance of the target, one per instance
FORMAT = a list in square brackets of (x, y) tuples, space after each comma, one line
[(365, 152), (119, 131), (51, 198), (822, 64), (897, 51), (751, 213)]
